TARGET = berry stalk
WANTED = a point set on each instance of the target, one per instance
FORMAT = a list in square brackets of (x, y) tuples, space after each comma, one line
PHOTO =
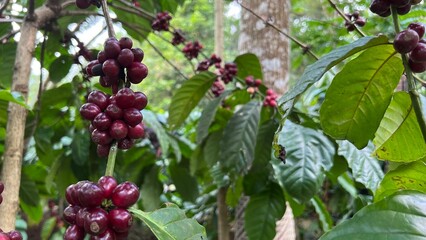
[(111, 160), (410, 78)]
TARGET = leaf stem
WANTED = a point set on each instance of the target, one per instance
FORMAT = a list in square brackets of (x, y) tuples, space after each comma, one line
[(111, 160), (111, 32), (411, 83)]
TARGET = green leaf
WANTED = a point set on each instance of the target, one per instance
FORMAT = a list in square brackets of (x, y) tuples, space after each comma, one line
[(365, 168), (34, 213), (170, 223), (151, 121), (7, 60), (324, 215), (47, 228), (239, 138), (60, 67), (212, 148), (248, 64), (57, 97), (185, 184), (399, 137), (309, 153), (238, 97), (28, 192), (234, 193), (314, 72), (188, 96), (360, 93), (151, 189), (14, 97), (397, 217), (207, 117), (80, 147), (262, 212), (406, 177)]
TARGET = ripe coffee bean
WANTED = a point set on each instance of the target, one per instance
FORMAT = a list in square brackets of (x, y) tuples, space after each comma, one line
[(102, 57), (136, 132), (125, 98), (118, 129), (70, 195), (138, 54), (108, 184), (104, 82), (1, 187), (114, 112), (403, 10), (125, 42), (15, 235), (102, 122), (418, 27), (132, 116), (380, 7), (126, 57), (4, 236), (125, 195), (109, 234), (99, 98), (140, 101), (419, 53), (406, 41), (96, 70), (74, 232), (82, 4), (96, 221), (360, 22), (81, 215), (90, 195), (111, 68), (89, 111), (101, 137), (70, 214), (120, 220), (137, 72), (112, 48), (417, 67), (103, 150), (125, 143)]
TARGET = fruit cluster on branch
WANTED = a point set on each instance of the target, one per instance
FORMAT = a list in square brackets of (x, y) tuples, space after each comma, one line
[(383, 7), (354, 20), (99, 209), (410, 41), (12, 235)]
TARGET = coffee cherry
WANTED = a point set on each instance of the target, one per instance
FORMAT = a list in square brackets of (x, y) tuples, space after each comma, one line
[(140, 101), (96, 221), (108, 184), (118, 129), (125, 143), (125, 195), (380, 7), (4, 236), (360, 22), (120, 220), (101, 137), (406, 41), (178, 37), (417, 67), (126, 57), (15, 235), (99, 98), (74, 232), (70, 214), (102, 57), (90, 195), (81, 215), (114, 112), (103, 150), (137, 72), (125, 42), (124, 98), (136, 132), (1, 199), (89, 111), (132, 116), (97, 70), (112, 48), (104, 81), (109, 234), (403, 10), (111, 68), (1, 187), (419, 53), (138, 54), (418, 27), (69, 195), (82, 4), (102, 122)]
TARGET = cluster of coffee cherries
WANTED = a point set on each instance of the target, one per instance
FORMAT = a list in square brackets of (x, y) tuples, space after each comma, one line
[(83, 4), (99, 209), (354, 20), (161, 21), (178, 37), (12, 235), (383, 7), (252, 84), (410, 41), (217, 88), (207, 63), (228, 72), (270, 99), (118, 61), (192, 49), (114, 118)]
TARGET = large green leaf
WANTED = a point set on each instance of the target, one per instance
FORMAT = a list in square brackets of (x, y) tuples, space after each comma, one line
[(399, 137), (60, 67), (28, 192), (185, 184), (14, 97), (207, 117), (239, 138), (401, 216), (170, 223), (365, 168), (7, 60), (248, 65), (309, 152), (262, 212), (406, 177), (314, 72), (151, 190), (323, 214), (212, 149), (151, 121), (188, 96), (360, 94), (80, 147)]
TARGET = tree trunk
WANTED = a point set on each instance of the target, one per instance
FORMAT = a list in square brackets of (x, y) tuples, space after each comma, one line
[(15, 129), (273, 50)]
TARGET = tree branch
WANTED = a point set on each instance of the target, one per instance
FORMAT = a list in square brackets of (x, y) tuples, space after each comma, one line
[(110, 26), (333, 5)]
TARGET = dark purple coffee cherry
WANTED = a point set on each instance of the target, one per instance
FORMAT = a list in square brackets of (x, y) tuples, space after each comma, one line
[(120, 220), (102, 57), (114, 112), (99, 98), (419, 53), (137, 72), (138, 54), (96, 70), (71, 195), (140, 101), (108, 183), (104, 81), (102, 122), (15, 235), (1, 199), (125, 98), (96, 221), (90, 195), (82, 4), (417, 67), (136, 132), (380, 7), (132, 116), (125, 58), (74, 232), (125, 195), (118, 129), (1, 187), (70, 214), (125, 143), (406, 41), (89, 111), (111, 68), (125, 42), (403, 10), (112, 48), (81, 215), (418, 27), (101, 137), (103, 150), (360, 22)]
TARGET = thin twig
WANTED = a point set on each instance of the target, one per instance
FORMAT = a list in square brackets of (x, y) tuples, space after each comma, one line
[(334, 6), (67, 3), (9, 20), (145, 13), (304, 47), (108, 20), (8, 35)]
